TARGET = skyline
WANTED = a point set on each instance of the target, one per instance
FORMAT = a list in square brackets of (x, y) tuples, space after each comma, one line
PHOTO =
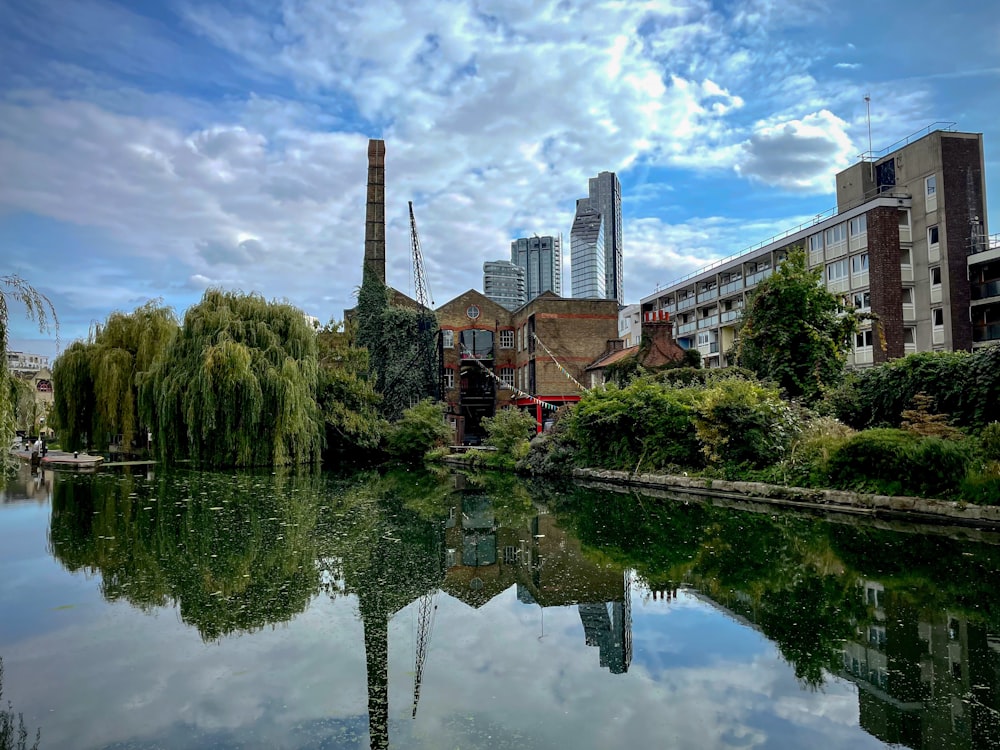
[(152, 154)]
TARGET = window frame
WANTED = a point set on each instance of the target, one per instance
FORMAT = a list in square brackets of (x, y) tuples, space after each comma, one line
[(447, 338)]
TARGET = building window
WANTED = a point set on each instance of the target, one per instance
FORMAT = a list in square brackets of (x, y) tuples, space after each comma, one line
[(863, 339), (858, 225), (836, 234), (862, 300), (905, 258), (932, 235), (507, 379), (936, 276), (909, 336), (907, 295), (448, 339), (449, 379), (836, 270), (859, 263), (506, 339), (930, 184), (816, 243), (937, 316)]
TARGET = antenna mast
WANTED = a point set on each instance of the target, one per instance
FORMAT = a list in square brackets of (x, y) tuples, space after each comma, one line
[(871, 155), (420, 287)]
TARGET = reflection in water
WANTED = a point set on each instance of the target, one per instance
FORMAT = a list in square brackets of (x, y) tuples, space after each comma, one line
[(910, 619)]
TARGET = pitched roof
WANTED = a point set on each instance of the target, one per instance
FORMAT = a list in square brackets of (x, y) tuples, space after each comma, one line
[(609, 358)]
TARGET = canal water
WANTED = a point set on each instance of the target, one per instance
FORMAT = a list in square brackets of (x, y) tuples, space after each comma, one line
[(439, 611)]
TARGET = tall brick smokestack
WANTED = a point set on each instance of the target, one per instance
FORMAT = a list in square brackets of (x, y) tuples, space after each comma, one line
[(375, 211)]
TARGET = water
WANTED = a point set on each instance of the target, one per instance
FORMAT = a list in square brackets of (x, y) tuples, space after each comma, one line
[(209, 610)]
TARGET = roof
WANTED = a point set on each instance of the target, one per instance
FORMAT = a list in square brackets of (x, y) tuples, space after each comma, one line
[(609, 358)]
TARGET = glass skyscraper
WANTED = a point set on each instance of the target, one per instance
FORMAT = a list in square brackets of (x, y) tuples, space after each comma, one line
[(587, 247), (503, 282), (541, 259), (606, 199)]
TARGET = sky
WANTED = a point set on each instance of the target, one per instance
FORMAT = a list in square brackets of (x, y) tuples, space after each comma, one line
[(154, 149)]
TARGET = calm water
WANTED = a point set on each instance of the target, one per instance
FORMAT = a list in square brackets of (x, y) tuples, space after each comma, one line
[(207, 610)]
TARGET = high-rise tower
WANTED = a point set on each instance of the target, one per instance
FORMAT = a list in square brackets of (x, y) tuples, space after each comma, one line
[(503, 282), (588, 252), (541, 259), (375, 211), (605, 197)]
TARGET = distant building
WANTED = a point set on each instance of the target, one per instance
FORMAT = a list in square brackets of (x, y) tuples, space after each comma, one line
[(630, 325), (24, 362), (601, 268), (586, 241), (503, 282), (541, 259), (34, 370)]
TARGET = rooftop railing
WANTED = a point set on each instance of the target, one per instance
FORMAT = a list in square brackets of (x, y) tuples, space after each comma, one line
[(948, 127)]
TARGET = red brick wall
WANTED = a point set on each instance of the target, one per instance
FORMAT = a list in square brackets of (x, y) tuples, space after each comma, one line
[(886, 281)]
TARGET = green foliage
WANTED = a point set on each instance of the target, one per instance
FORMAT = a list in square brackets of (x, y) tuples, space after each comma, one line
[(237, 385), (741, 422), (421, 428), (74, 400), (13, 733), (401, 345), (989, 439), (644, 425), (921, 421), (509, 431), (553, 452), (982, 484), (692, 358), (810, 453), (37, 308), (964, 386), (892, 462), (348, 402), (794, 331)]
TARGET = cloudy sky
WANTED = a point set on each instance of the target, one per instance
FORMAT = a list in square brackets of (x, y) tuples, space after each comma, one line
[(154, 149)]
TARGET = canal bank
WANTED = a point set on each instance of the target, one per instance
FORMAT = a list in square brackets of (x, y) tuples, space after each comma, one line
[(927, 510)]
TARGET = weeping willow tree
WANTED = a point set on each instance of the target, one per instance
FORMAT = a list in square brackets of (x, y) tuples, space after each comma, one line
[(237, 385), (401, 344), (37, 308), (97, 382)]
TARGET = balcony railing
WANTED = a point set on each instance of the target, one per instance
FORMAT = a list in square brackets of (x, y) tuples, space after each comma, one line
[(686, 303), (709, 321), (732, 286), (707, 294), (986, 333), (730, 315), (985, 291), (685, 328)]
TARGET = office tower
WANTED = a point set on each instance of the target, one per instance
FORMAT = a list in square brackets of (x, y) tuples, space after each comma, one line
[(503, 282), (587, 252), (606, 197), (541, 259)]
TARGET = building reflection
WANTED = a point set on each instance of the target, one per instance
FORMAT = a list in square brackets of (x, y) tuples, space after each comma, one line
[(545, 563), (926, 679)]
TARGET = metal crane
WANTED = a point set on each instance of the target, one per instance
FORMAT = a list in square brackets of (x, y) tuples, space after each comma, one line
[(425, 623), (421, 288)]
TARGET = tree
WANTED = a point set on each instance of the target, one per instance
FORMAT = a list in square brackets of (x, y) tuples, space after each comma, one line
[(97, 382), (794, 332), (237, 385), (37, 308)]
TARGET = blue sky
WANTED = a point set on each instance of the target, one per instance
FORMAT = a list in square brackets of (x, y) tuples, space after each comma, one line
[(154, 149)]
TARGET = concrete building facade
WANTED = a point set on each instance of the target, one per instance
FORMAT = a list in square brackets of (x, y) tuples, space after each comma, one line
[(541, 259), (503, 282), (908, 242)]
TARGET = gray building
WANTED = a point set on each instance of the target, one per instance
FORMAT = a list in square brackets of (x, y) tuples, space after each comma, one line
[(907, 241), (605, 197), (503, 282), (541, 259), (587, 252)]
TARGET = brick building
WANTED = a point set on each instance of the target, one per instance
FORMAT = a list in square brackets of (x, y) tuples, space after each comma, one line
[(492, 357)]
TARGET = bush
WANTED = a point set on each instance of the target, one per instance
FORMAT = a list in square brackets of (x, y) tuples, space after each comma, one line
[(989, 438), (421, 428), (893, 462), (982, 486), (509, 431), (551, 453), (741, 422), (642, 425), (810, 453)]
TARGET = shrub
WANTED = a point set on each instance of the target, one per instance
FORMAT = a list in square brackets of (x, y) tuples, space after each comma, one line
[(551, 453), (742, 422), (810, 452), (989, 438), (920, 421), (509, 431), (421, 428), (982, 486), (894, 462)]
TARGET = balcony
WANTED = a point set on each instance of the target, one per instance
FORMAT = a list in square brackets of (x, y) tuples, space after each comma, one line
[(985, 291), (731, 287), (708, 321), (984, 333), (685, 328), (707, 294), (730, 315), (686, 303)]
